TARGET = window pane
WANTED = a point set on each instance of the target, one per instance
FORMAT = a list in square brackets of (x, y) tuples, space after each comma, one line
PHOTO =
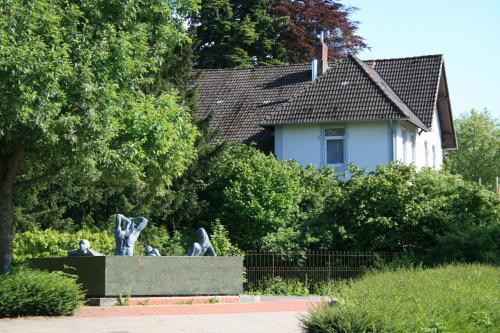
[(334, 132), (334, 151)]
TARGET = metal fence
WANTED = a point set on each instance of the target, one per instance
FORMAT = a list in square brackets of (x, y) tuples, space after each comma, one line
[(309, 267)]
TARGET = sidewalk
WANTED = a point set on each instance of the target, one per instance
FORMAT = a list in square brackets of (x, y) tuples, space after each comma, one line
[(267, 316)]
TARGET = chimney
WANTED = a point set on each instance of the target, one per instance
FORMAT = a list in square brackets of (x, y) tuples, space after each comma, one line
[(320, 62)]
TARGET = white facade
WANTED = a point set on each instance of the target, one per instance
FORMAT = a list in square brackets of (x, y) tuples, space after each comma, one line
[(365, 144)]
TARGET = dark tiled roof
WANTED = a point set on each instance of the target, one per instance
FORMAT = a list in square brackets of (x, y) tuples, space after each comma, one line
[(415, 80), (241, 98), (349, 90), (244, 99)]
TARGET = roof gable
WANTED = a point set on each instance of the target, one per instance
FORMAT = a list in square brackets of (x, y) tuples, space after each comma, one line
[(415, 80)]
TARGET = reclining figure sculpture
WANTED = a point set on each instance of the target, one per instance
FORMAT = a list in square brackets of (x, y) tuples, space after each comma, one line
[(152, 251), (84, 250), (203, 245)]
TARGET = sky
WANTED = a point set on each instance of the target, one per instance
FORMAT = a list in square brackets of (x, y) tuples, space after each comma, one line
[(467, 33)]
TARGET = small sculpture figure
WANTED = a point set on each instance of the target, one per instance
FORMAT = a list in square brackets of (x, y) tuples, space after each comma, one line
[(83, 250), (126, 238), (152, 252), (203, 245)]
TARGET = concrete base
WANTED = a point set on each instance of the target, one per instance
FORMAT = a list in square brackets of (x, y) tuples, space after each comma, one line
[(170, 300), (109, 276)]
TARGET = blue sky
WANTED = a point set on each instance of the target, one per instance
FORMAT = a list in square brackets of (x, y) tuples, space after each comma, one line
[(467, 33)]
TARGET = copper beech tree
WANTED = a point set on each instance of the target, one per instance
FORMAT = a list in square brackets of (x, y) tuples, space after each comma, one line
[(307, 18)]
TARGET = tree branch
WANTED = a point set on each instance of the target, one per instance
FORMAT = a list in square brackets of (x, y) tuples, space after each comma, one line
[(37, 180)]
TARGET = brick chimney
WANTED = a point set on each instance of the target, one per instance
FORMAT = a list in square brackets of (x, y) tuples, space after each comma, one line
[(320, 62)]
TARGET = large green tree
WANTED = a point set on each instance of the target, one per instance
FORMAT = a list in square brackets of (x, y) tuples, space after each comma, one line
[(77, 95), (478, 153)]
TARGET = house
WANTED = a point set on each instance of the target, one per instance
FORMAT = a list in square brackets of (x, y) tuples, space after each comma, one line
[(332, 114)]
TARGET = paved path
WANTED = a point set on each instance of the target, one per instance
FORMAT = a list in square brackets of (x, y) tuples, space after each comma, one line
[(239, 318)]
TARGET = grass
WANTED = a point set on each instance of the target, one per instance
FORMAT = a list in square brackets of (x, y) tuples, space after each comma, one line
[(454, 298)]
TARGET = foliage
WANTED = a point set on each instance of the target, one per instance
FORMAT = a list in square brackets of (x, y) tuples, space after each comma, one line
[(310, 17), (38, 293), (478, 153), (294, 287), (76, 97), (253, 195), (235, 33), (221, 242), (51, 243), (455, 298), (280, 286)]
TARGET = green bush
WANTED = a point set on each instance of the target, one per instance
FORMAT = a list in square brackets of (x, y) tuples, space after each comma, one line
[(221, 242), (280, 286), (454, 298), (38, 293), (52, 243)]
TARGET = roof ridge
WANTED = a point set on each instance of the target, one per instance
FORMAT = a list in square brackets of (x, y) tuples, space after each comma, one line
[(252, 67), (406, 58), (388, 92)]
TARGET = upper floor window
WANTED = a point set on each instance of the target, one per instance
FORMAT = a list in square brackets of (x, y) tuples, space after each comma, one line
[(334, 141)]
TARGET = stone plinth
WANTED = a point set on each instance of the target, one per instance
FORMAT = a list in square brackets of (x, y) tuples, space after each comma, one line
[(109, 276)]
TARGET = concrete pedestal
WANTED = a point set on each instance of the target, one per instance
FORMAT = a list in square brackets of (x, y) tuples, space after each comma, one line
[(110, 276)]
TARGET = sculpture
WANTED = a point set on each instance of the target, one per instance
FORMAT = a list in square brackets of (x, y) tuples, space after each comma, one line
[(152, 252), (83, 250), (203, 245), (126, 238)]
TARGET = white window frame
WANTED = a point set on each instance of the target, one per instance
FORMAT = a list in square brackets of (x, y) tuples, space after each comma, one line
[(335, 137)]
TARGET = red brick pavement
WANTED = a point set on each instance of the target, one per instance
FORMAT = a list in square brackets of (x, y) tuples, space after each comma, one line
[(152, 310)]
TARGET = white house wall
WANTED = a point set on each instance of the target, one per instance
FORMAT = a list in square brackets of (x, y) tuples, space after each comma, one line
[(433, 139), (366, 144)]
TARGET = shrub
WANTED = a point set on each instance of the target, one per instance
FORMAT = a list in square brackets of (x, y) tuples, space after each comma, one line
[(29, 292), (253, 194), (454, 298), (52, 243), (221, 242), (280, 286)]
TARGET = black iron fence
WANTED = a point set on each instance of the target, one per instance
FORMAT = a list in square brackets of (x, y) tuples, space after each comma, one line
[(309, 267)]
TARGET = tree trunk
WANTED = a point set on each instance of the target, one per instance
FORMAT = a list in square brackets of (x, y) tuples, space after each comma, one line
[(7, 179)]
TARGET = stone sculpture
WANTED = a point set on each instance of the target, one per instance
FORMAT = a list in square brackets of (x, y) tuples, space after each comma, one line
[(203, 245), (83, 250), (152, 252), (125, 238)]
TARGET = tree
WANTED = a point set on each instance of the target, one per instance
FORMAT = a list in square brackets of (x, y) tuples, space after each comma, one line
[(236, 33), (310, 17), (478, 153), (76, 97)]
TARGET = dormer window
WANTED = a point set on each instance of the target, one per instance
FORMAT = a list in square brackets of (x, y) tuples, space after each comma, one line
[(334, 142)]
